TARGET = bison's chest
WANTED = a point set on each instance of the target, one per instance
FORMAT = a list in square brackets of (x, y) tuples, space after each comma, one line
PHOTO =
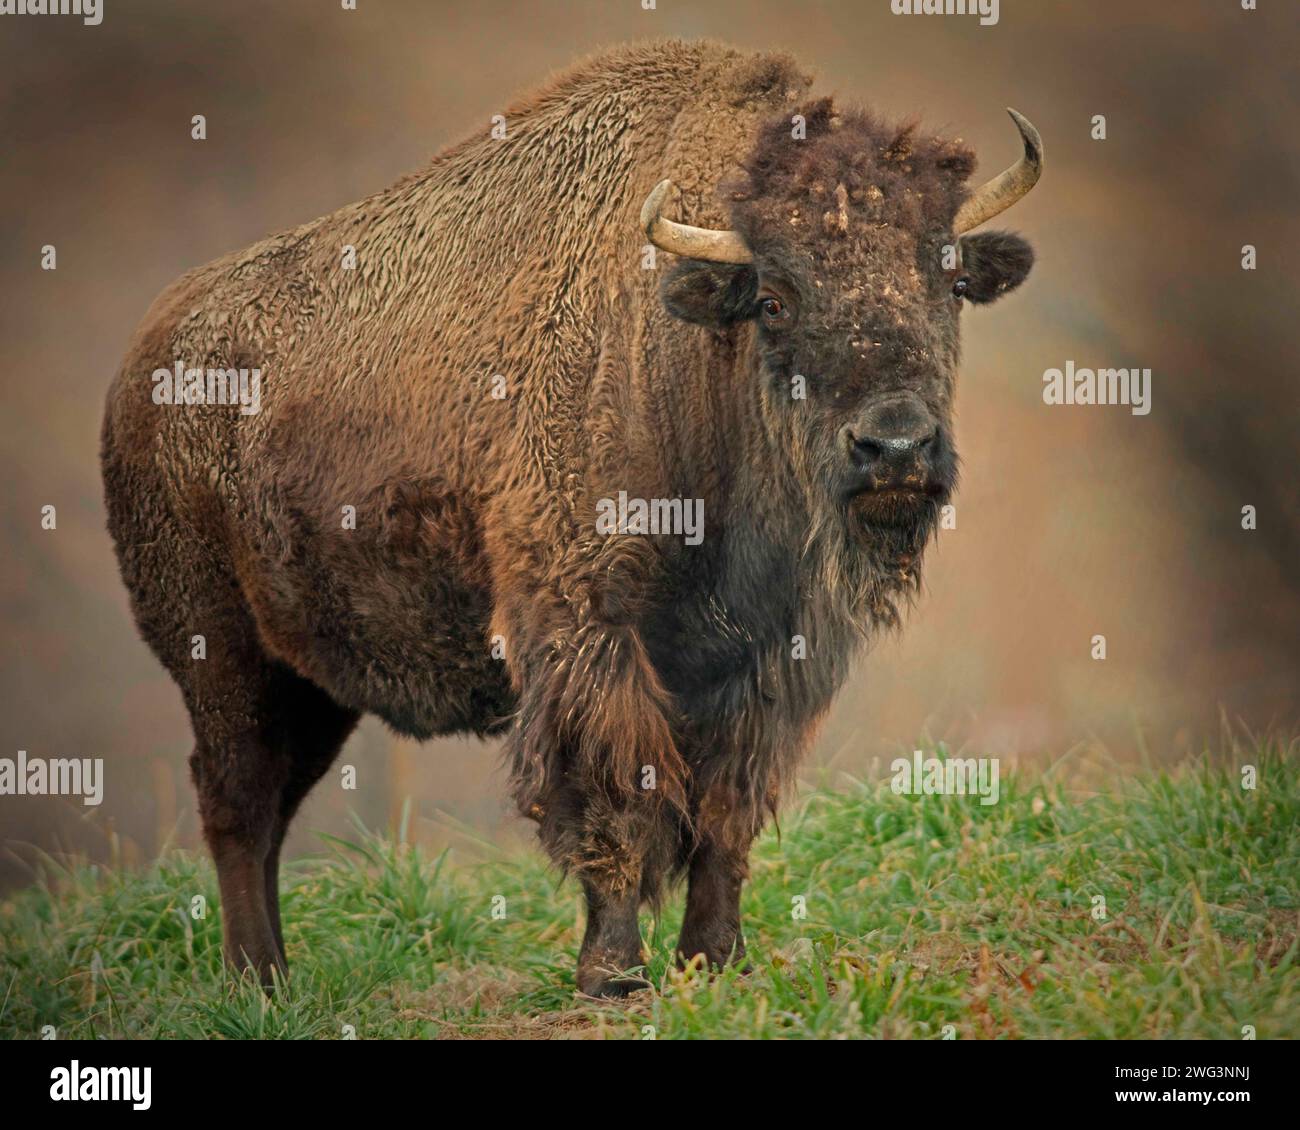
[(724, 656)]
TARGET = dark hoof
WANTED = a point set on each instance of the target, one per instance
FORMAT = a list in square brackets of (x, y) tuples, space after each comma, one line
[(606, 984), (268, 970), (713, 964)]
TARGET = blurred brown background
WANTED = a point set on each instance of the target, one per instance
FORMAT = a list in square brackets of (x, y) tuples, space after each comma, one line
[(1072, 521)]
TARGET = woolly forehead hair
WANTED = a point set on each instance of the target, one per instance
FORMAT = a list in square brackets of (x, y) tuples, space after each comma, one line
[(849, 160)]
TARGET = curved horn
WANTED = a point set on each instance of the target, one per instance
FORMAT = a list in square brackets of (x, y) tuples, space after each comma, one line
[(998, 194), (684, 240)]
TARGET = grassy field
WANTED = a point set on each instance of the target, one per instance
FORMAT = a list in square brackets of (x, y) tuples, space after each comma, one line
[(926, 917)]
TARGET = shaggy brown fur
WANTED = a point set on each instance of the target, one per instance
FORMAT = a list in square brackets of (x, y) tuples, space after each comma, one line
[(627, 660)]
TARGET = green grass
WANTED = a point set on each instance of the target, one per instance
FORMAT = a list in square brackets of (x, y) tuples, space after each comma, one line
[(926, 916)]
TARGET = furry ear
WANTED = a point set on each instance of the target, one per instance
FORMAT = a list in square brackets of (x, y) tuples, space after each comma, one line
[(710, 294), (995, 262)]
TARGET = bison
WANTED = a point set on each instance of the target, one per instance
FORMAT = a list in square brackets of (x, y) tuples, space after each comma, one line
[(456, 377)]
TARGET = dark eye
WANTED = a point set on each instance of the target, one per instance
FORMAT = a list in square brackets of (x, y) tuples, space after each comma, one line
[(773, 309), (960, 287)]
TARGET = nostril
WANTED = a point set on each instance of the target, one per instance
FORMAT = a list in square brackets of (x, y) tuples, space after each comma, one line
[(864, 450), (869, 449), (926, 441)]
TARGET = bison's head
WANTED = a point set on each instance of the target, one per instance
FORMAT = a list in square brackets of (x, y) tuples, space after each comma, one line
[(850, 258)]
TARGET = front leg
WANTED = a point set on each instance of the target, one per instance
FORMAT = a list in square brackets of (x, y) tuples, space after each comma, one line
[(711, 928), (612, 943), (596, 764), (611, 855), (719, 866)]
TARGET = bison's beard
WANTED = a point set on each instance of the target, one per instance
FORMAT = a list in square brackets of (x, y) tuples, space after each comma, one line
[(861, 559), (865, 555)]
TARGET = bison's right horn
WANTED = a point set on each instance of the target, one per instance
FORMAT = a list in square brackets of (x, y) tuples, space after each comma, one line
[(998, 194), (686, 241)]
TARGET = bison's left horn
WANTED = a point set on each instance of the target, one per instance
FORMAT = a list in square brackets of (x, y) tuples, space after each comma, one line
[(686, 241), (1008, 186)]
